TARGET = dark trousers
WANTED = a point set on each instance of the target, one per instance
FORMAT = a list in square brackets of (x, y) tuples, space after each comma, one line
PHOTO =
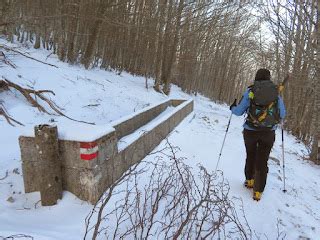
[(258, 147)]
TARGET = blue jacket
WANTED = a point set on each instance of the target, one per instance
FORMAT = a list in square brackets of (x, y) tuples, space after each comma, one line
[(245, 103)]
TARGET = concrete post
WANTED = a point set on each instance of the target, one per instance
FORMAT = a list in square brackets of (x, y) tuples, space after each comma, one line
[(47, 148)]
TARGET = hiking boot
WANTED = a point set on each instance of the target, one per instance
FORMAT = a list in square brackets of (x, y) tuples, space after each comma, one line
[(249, 183), (257, 195)]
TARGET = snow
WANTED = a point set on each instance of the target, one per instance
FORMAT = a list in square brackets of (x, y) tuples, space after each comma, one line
[(130, 116), (127, 140), (167, 113), (77, 131), (103, 97)]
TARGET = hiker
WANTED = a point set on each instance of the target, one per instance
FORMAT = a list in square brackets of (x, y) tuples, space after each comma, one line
[(265, 109)]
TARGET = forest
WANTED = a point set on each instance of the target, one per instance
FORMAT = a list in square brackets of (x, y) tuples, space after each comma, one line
[(210, 47)]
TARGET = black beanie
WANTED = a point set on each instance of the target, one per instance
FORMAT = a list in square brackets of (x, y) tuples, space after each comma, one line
[(262, 74)]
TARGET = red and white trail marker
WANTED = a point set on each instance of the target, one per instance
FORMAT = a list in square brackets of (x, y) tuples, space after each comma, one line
[(88, 150)]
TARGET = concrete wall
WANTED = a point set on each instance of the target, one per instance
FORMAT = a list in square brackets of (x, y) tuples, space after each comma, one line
[(89, 179), (82, 178), (129, 125)]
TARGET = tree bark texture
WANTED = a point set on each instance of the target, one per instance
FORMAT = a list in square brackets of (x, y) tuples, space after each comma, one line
[(315, 154)]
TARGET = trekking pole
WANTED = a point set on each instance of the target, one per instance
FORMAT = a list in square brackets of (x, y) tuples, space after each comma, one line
[(283, 162), (281, 87), (223, 143)]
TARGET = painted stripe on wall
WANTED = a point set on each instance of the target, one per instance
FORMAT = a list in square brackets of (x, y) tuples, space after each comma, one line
[(88, 150), (88, 144), (88, 157)]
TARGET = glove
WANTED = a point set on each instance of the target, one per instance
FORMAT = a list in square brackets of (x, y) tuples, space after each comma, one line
[(234, 104)]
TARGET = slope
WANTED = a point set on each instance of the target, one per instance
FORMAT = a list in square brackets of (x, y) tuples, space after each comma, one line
[(101, 97)]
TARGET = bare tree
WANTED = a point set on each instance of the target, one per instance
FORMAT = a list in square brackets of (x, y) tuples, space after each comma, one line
[(294, 27), (208, 47), (315, 154), (149, 38)]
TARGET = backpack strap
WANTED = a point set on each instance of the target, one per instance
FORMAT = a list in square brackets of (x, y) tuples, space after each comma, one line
[(254, 121), (264, 113)]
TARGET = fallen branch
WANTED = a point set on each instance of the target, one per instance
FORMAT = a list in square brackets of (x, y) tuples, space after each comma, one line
[(9, 119), (37, 93), (26, 93), (7, 174), (3, 86), (4, 58), (12, 237), (23, 54)]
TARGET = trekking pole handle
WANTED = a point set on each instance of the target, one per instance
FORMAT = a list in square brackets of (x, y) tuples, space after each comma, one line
[(235, 101), (281, 85), (234, 104)]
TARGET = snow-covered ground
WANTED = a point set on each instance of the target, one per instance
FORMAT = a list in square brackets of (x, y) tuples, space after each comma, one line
[(101, 97)]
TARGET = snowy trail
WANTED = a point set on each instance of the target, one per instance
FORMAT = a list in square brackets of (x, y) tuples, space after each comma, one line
[(296, 212), (102, 97), (129, 139)]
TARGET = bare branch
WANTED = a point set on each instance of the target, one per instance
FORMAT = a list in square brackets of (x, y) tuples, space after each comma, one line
[(171, 203), (25, 55), (6, 84)]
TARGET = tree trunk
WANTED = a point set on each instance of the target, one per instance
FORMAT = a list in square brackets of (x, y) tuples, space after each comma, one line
[(166, 75), (37, 42), (315, 154), (93, 34)]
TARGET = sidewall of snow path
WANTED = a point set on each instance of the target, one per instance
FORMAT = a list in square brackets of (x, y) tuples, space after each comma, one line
[(90, 167)]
